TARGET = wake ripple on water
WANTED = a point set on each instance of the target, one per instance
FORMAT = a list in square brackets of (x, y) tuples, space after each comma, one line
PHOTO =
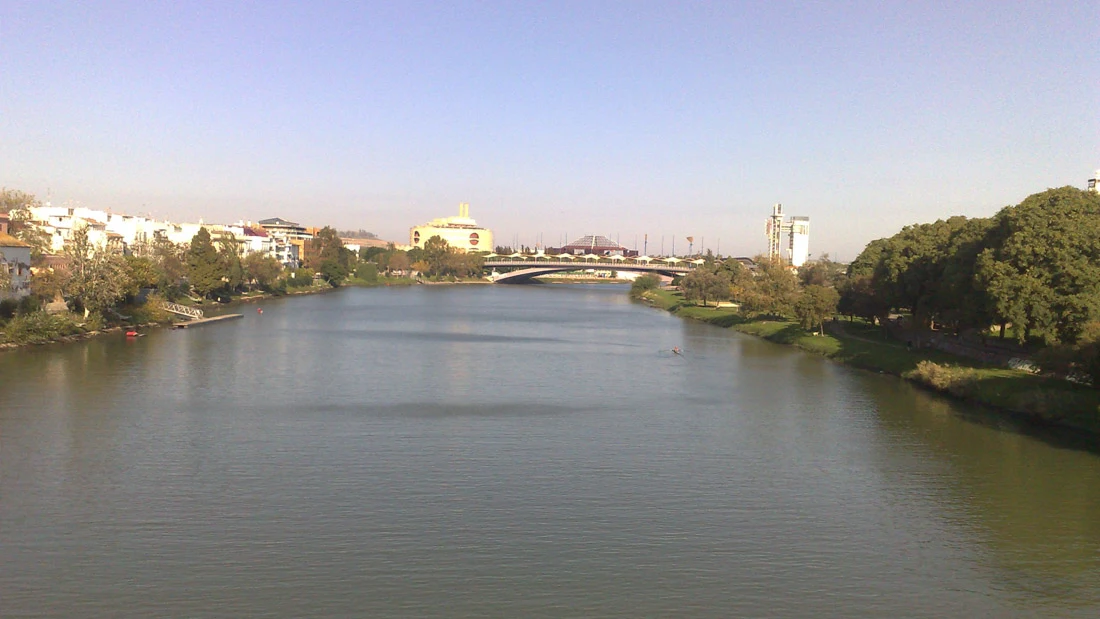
[(429, 410)]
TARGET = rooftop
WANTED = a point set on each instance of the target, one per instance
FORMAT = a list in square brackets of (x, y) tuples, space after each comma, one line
[(277, 221), (7, 240), (595, 241)]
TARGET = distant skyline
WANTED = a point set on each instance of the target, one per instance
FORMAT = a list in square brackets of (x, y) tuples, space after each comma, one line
[(552, 119)]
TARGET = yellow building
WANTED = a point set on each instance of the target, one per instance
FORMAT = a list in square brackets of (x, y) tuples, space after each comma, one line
[(460, 232)]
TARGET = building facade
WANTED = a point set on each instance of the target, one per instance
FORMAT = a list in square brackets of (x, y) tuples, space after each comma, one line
[(15, 261), (289, 240), (798, 240), (460, 232)]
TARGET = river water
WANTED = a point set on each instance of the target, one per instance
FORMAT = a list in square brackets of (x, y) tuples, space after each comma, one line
[(523, 451)]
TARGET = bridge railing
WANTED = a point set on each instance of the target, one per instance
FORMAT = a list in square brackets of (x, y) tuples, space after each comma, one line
[(581, 264), (183, 310)]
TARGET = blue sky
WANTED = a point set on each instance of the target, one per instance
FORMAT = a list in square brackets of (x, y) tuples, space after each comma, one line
[(552, 119)]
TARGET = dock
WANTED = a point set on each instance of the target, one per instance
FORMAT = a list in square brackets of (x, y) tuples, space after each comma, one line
[(198, 322)]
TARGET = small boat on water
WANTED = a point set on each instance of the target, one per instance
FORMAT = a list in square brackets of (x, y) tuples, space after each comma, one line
[(134, 334)]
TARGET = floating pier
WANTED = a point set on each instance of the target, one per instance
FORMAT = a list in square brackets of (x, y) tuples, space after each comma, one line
[(186, 324)]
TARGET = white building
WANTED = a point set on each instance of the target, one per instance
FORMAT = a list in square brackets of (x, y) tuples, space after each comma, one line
[(289, 238), (798, 240), (460, 232), (799, 244), (1094, 182)]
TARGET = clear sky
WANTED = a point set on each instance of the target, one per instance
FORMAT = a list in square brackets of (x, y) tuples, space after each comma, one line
[(552, 118)]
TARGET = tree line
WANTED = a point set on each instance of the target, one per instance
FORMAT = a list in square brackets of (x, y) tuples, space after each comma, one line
[(1031, 273), (764, 288)]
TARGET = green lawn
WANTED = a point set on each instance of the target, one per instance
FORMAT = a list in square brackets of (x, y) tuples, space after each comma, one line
[(1051, 399)]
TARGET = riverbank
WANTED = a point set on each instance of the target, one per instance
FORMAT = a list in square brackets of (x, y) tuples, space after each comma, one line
[(1044, 399), (41, 328)]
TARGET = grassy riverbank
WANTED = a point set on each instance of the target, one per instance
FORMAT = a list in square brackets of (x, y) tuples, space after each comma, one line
[(1048, 399)]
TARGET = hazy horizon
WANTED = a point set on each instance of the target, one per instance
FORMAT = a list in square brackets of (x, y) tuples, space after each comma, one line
[(552, 121)]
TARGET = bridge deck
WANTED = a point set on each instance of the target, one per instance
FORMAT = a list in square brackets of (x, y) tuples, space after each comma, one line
[(525, 270), (198, 322)]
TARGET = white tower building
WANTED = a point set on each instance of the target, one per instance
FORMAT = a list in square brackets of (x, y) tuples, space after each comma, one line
[(799, 247), (1094, 182), (798, 241)]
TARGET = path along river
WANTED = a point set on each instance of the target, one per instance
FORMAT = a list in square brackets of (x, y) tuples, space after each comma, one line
[(528, 451)]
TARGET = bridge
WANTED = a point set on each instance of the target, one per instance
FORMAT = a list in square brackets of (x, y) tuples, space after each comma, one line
[(523, 268), (192, 313)]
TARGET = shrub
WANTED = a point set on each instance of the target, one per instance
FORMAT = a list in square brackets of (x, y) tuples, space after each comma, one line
[(954, 380), (299, 278), (368, 272), (29, 304), (40, 327), (151, 311), (644, 284)]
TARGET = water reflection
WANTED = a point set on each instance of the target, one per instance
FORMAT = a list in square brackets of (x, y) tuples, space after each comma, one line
[(516, 452)]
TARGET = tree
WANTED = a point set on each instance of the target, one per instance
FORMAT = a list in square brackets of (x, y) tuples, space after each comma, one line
[(96, 278), (333, 272), (18, 204), (820, 272), (1041, 266), (858, 298), (229, 252), (398, 261), (326, 253), (16, 200), (436, 251), (704, 284), (205, 270), (741, 278), (261, 270), (37, 238), (5, 277), (459, 264), (644, 284), (960, 302), (814, 305), (142, 273), (909, 273), (370, 253), (773, 290), (367, 271), (171, 263), (48, 284)]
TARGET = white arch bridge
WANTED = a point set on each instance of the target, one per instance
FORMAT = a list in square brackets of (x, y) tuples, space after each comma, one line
[(520, 270)]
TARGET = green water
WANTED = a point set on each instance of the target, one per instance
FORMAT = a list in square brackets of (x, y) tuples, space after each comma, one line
[(518, 452)]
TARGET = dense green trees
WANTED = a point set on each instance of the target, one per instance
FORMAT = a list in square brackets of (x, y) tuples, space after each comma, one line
[(439, 259), (95, 278), (326, 254), (814, 305), (261, 270), (705, 284), (773, 290), (644, 284), (1041, 265), (205, 270), (1034, 266)]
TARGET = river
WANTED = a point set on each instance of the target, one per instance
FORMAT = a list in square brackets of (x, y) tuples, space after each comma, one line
[(517, 451)]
